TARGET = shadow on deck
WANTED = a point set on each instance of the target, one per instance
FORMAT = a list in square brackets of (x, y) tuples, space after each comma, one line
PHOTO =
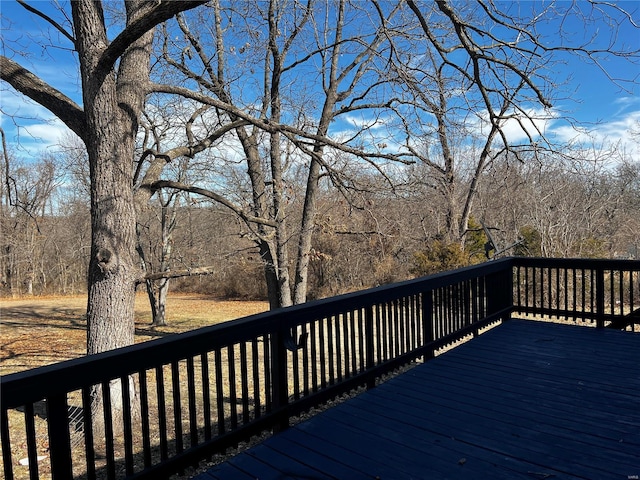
[(526, 400)]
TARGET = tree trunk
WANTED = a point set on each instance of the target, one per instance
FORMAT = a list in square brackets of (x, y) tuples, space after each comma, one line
[(108, 124), (158, 301), (275, 154), (260, 210), (168, 221), (112, 105), (306, 233), (270, 274), (160, 320)]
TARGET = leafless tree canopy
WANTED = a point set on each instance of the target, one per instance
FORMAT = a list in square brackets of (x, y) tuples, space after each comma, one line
[(319, 135)]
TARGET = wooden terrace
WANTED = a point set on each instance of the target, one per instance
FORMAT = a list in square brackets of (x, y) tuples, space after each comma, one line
[(526, 400), (485, 393)]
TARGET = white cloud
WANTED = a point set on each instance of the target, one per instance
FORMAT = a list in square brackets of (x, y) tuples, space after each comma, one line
[(626, 102), (622, 132), (521, 125), (30, 128), (47, 133)]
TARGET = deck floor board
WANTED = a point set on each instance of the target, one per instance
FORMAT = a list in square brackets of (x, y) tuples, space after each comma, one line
[(524, 400)]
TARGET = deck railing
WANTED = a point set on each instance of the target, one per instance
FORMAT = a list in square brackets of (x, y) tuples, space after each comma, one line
[(591, 292), (152, 409)]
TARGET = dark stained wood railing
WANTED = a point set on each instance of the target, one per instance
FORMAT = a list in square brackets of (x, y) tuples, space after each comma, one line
[(173, 402), (604, 293)]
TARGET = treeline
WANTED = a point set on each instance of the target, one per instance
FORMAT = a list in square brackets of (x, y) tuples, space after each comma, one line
[(385, 233)]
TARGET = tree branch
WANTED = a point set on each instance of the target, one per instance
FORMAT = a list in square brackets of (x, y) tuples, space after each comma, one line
[(48, 19), (189, 272), (25, 82), (271, 127), (214, 196), (160, 12)]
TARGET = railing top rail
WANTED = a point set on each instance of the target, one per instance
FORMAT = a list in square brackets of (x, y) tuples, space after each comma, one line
[(586, 263), (74, 374)]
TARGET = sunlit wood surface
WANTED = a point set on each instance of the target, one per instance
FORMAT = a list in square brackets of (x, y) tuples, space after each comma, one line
[(526, 400)]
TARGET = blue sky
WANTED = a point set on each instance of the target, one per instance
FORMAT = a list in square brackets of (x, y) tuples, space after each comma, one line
[(608, 109)]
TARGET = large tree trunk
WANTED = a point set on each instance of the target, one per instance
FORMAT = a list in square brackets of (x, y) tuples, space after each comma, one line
[(112, 107), (260, 210), (113, 103), (108, 124)]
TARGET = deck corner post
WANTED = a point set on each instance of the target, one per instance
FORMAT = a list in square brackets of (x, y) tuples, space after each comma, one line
[(427, 322), (279, 380), (369, 342), (500, 293), (599, 298), (59, 440)]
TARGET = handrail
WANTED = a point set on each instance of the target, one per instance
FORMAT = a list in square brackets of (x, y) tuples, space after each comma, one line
[(599, 292), (73, 374), (171, 402)]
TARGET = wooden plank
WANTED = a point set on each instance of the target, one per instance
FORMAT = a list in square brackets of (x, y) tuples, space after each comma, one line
[(496, 434), (236, 469), (583, 384), (483, 441), (384, 448), (564, 370), (524, 400), (599, 356), (502, 404), (586, 388), (264, 463), (301, 461), (433, 451), (336, 446)]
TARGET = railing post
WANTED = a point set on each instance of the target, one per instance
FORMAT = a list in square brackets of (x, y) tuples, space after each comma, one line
[(492, 290), (427, 321), (509, 293), (6, 444), (59, 441), (499, 292), (279, 379), (599, 298), (369, 344)]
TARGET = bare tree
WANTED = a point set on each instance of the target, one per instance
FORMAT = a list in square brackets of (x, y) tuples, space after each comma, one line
[(564, 207), (481, 70), (27, 197), (284, 133), (113, 73), (297, 89), (399, 66)]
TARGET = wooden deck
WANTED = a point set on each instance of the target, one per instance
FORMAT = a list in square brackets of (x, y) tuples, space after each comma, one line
[(526, 400)]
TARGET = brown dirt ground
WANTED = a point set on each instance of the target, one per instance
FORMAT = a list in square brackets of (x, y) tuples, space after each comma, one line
[(39, 331)]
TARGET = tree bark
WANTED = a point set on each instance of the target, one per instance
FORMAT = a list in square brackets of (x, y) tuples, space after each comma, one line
[(112, 105), (275, 153)]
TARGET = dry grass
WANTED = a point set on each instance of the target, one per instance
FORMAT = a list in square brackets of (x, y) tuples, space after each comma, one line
[(40, 331)]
